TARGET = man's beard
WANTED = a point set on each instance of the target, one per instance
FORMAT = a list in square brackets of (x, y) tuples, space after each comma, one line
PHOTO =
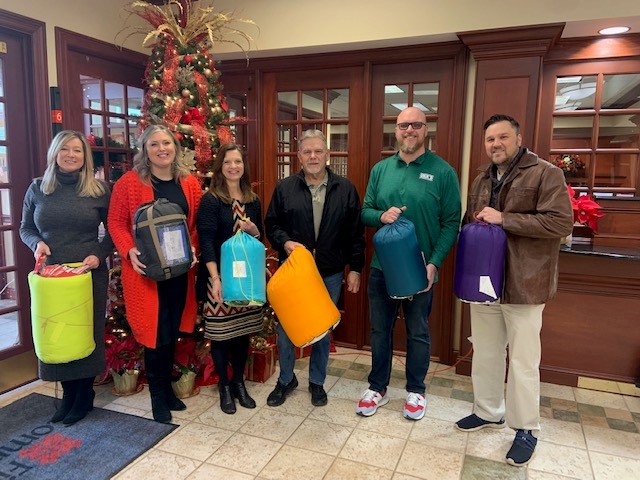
[(408, 149)]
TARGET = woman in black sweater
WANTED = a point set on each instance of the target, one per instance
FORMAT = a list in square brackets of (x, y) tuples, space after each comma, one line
[(229, 205), (61, 218)]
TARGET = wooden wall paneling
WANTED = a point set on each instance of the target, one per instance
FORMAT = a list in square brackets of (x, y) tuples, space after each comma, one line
[(589, 329), (508, 81), (620, 226), (509, 86)]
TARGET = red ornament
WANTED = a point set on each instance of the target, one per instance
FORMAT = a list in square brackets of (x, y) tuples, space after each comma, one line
[(188, 58), (178, 136)]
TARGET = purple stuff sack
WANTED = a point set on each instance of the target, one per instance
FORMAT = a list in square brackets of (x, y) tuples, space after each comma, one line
[(479, 273)]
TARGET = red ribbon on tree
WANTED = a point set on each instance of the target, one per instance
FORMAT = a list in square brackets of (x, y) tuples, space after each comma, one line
[(203, 89), (171, 63), (174, 112), (224, 134)]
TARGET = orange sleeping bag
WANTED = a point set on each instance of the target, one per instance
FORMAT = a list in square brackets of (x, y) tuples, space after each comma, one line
[(300, 299)]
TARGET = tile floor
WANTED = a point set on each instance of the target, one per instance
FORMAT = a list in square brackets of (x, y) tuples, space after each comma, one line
[(586, 434)]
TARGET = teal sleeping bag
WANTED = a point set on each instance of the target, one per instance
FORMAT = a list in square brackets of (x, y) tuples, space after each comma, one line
[(398, 252), (243, 271)]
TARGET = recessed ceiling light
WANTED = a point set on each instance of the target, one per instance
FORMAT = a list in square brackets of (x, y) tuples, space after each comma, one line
[(613, 30)]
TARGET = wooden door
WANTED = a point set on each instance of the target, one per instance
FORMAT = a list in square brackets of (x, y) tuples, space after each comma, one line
[(430, 86), (21, 158), (330, 100)]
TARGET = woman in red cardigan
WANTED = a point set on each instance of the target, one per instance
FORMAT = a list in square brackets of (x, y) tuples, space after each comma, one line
[(156, 311)]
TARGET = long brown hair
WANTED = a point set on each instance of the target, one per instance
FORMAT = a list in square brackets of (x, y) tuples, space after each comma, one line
[(218, 186)]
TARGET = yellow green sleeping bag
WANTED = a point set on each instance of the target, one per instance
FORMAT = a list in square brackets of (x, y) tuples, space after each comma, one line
[(62, 317)]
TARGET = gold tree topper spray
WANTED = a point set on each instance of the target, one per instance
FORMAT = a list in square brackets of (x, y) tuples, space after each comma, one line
[(188, 25)]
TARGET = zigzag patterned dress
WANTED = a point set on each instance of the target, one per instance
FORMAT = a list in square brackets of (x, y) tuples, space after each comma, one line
[(218, 221)]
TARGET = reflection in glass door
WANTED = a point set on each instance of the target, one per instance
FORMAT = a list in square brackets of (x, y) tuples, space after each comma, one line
[(15, 176), (9, 331), (111, 113), (327, 110)]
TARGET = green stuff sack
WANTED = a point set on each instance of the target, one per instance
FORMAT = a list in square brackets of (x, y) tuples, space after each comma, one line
[(62, 317)]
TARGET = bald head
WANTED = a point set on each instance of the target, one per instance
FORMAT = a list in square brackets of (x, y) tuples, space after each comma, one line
[(411, 131), (412, 114)]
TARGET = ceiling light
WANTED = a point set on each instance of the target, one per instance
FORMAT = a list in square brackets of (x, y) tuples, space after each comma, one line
[(578, 91), (569, 79), (418, 105), (392, 89), (613, 30)]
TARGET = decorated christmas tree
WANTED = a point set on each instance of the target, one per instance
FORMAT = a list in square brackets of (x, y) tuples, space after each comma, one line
[(184, 89)]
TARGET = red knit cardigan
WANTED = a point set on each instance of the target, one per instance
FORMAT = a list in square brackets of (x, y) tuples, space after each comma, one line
[(140, 293)]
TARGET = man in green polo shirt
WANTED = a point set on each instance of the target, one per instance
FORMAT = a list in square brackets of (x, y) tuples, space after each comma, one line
[(422, 187)]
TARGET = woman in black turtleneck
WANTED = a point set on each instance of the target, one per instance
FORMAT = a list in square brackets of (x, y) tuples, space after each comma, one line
[(61, 216)]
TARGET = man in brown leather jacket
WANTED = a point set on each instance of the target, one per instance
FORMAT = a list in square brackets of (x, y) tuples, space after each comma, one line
[(528, 197)]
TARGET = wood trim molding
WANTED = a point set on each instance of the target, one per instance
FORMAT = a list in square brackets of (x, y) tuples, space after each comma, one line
[(37, 105), (379, 56), (512, 42), (67, 41), (594, 48)]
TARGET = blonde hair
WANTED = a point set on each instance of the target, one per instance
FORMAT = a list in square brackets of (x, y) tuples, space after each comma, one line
[(218, 186), (88, 185), (141, 164)]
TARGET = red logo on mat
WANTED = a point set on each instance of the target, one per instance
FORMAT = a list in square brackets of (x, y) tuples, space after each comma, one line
[(50, 448)]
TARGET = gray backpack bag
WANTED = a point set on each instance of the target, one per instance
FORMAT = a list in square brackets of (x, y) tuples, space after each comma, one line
[(162, 237)]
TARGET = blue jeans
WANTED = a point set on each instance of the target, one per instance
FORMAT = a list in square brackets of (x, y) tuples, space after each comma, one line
[(319, 350), (383, 311)]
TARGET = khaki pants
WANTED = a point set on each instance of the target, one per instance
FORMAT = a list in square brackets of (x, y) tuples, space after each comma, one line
[(493, 327)]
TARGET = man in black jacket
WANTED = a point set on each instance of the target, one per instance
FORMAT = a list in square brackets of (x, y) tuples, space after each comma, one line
[(320, 211)]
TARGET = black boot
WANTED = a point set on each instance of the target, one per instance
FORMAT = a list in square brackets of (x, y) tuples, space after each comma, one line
[(174, 402), (83, 403), (69, 389), (239, 391), (156, 378), (227, 404)]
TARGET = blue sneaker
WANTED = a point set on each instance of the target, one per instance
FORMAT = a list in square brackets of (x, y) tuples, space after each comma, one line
[(474, 422), (521, 452)]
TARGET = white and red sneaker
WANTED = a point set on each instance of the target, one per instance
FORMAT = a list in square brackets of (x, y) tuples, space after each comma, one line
[(415, 406), (370, 402)]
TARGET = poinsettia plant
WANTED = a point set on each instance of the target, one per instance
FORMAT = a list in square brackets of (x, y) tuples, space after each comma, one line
[(122, 354), (585, 210), (191, 355)]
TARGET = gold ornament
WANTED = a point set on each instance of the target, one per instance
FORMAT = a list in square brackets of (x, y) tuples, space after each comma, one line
[(207, 72), (186, 92), (217, 110)]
